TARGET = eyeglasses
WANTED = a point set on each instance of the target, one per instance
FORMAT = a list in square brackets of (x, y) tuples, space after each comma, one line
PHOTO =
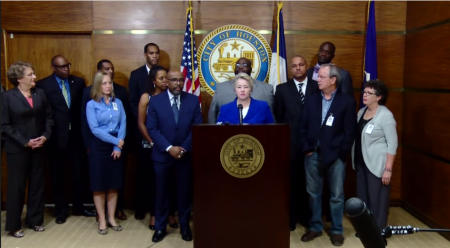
[(62, 67), (243, 65), (322, 77), (368, 93), (175, 80)]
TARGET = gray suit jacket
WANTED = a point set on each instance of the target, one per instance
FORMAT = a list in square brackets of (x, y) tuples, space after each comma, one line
[(225, 94), (381, 141)]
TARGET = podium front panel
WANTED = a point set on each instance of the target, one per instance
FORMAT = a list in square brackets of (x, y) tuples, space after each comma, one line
[(241, 212)]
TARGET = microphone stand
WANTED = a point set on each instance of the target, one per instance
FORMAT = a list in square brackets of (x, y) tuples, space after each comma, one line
[(402, 230), (240, 114)]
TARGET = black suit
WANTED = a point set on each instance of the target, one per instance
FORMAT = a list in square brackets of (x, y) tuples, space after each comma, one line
[(138, 85), (345, 83), (66, 145), (288, 109), (20, 123), (121, 93)]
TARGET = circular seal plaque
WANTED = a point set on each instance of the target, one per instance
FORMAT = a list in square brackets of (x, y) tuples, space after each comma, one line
[(221, 49), (242, 156)]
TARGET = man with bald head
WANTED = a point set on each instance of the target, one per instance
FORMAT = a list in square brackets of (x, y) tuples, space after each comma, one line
[(325, 55), (170, 118), (288, 105), (64, 93), (225, 92)]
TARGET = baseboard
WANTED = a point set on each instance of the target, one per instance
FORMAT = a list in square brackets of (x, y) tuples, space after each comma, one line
[(395, 203), (423, 218)]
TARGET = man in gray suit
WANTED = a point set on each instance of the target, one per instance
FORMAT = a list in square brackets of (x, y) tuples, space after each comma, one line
[(225, 92)]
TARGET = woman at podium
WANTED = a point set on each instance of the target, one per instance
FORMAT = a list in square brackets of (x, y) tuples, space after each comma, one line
[(251, 110)]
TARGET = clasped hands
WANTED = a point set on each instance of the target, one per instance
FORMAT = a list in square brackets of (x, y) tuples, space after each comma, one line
[(37, 142), (177, 152), (116, 154)]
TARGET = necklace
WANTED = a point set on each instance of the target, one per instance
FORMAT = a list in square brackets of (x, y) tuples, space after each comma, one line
[(26, 95)]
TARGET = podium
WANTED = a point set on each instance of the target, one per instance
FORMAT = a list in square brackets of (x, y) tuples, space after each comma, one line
[(252, 211)]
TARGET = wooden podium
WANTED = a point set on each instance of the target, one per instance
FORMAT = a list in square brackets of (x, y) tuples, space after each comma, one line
[(241, 212)]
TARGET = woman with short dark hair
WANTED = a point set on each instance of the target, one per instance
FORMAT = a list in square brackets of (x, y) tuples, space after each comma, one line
[(27, 125), (374, 151)]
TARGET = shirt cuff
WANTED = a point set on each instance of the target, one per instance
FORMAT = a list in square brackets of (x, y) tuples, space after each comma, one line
[(168, 148)]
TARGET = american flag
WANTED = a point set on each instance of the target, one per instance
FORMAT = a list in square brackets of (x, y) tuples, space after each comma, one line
[(189, 65)]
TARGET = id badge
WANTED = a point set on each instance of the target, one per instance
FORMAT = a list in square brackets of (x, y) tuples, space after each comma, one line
[(115, 106), (369, 128), (330, 120)]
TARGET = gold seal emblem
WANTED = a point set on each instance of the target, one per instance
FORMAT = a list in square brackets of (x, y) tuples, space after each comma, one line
[(242, 156)]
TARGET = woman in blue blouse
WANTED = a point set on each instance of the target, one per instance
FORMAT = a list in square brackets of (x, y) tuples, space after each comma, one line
[(107, 120), (253, 111)]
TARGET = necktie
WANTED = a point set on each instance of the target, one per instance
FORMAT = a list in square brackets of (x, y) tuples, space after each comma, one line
[(302, 97), (175, 108), (65, 93), (66, 97)]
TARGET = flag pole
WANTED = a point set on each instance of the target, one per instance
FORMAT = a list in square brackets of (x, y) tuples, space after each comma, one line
[(189, 12), (280, 6)]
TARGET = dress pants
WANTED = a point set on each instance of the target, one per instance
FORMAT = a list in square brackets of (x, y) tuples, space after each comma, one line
[(371, 191), (299, 198), (60, 159), (29, 165), (163, 178), (145, 181)]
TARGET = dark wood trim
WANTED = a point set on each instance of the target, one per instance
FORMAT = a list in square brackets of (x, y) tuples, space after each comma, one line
[(422, 217), (395, 203)]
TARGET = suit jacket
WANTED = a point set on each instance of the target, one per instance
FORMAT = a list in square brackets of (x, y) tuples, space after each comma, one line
[(120, 92), (335, 141), (63, 115), (345, 84), (21, 122), (225, 94), (165, 131), (258, 113), (382, 140), (288, 108), (138, 86)]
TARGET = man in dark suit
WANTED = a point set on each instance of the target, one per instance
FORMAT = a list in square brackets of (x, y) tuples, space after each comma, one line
[(121, 93), (327, 133), (288, 105), (64, 92), (325, 55), (169, 122), (138, 85)]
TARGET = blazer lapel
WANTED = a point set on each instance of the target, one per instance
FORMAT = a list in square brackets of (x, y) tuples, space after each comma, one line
[(21, 97), (292, 87), (333, 106), (251, 111), (168, 108), (183, 105)]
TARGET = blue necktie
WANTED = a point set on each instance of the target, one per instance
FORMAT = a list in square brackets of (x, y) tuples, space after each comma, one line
[(175, 108)]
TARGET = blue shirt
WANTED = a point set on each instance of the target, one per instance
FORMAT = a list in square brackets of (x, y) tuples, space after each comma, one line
[(104, 120), (66, 83), (326, 105)]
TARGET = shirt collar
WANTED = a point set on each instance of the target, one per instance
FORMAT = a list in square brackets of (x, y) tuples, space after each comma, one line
[(332, 95), (305, 81), (148, 69), (171, 96), (58, 79)]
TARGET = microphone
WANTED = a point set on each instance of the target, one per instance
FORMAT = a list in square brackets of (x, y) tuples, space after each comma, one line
[(364, 223), (240, 114)]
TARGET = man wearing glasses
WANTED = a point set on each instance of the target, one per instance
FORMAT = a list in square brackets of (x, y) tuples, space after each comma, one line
[(327, 133), (170, 118), (64, 92), (225, 91)]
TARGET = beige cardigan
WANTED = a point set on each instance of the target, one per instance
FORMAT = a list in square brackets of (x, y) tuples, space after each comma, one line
[(381, 141)]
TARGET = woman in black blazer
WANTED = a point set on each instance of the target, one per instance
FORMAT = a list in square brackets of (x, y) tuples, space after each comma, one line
[(27, 125)]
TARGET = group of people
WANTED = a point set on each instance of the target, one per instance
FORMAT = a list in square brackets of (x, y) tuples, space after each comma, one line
[(318, 103)]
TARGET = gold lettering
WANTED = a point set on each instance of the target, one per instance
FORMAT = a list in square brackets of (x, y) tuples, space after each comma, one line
[(209, 48), (228, 34), (239, 34), (212, 43), (260, 47), (207, 52), (222, 36), (264, 59)]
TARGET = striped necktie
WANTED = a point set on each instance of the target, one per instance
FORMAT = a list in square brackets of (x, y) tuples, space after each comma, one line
[(65, 93), (302, 97)]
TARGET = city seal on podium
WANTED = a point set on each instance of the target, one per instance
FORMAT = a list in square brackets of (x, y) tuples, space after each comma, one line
[(242, 156), (221, 49)]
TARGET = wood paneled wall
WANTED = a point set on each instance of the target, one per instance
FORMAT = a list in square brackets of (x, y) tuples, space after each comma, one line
[(426, 116), (342, 23)]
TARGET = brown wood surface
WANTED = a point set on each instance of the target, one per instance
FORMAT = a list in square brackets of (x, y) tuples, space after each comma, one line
[(50, 16), (425, 186), (427, 121), (239, 205), (427, 61), (421, 13)]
